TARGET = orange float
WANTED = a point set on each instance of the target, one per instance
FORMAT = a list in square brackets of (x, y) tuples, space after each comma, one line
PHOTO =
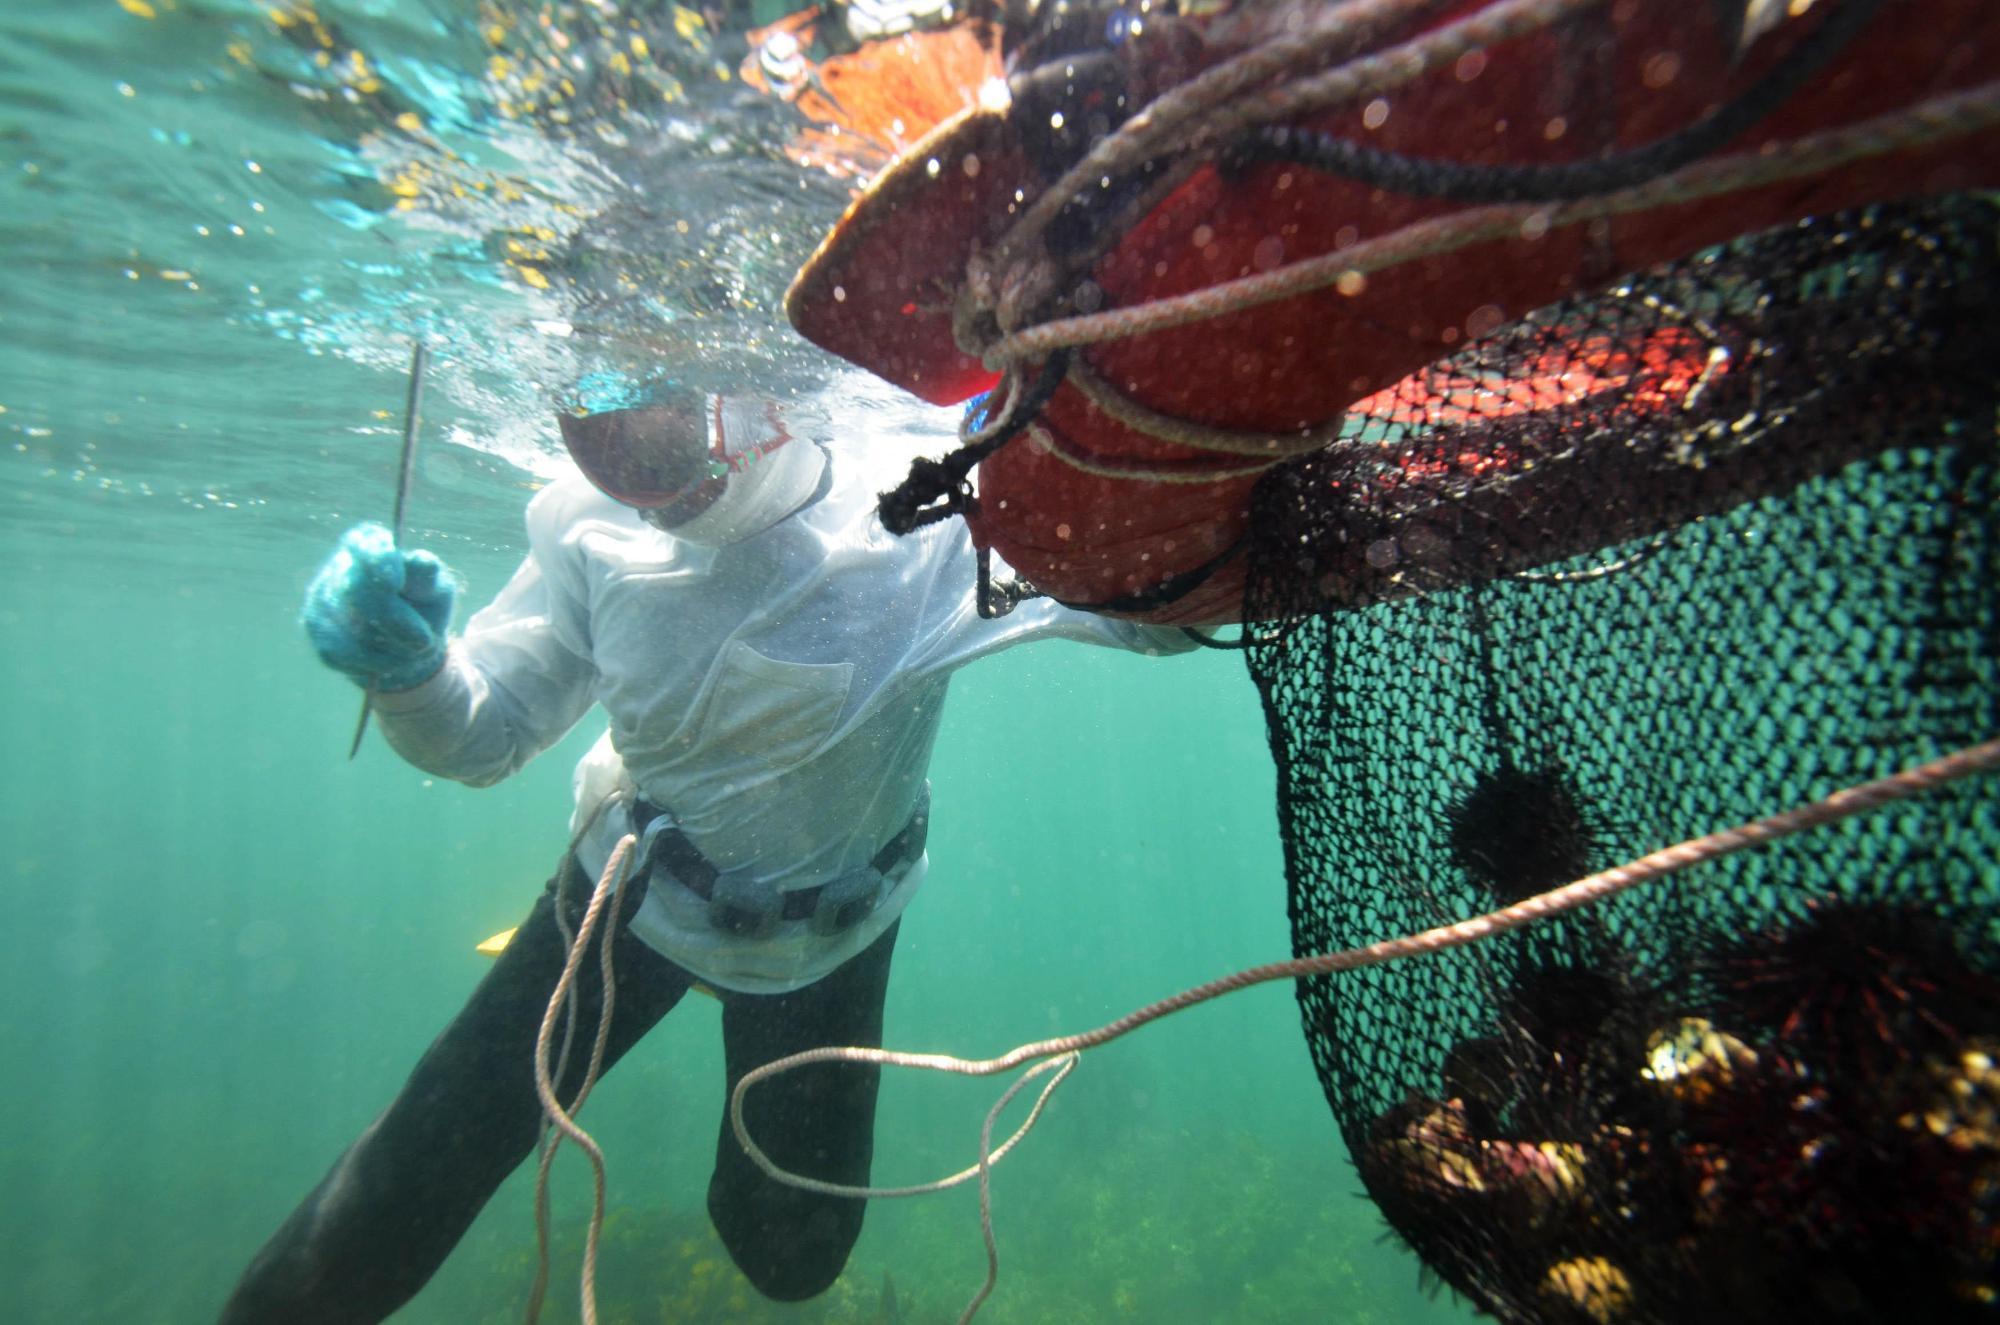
[(1215, 240), (865, 107)]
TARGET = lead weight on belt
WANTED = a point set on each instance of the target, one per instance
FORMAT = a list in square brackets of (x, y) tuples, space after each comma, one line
[(747, 908), (846, 902)]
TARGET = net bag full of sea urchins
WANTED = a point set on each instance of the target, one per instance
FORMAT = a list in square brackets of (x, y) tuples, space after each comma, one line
[(1707, 545)]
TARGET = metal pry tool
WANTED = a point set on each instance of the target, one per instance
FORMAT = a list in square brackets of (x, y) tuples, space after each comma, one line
[(405, 476)]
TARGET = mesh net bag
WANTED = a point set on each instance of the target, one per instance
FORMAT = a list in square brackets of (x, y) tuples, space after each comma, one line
[(1683, 551), (1713, 543)]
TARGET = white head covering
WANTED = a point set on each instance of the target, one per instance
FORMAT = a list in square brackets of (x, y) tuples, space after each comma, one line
[(779, 474)]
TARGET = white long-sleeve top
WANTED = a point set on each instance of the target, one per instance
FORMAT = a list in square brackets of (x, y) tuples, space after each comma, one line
[(779, 696)]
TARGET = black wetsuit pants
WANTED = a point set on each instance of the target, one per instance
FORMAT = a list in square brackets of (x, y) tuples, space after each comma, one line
[(388, 1213)]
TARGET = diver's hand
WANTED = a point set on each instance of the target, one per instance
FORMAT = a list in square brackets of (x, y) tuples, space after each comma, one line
[(379, 614)]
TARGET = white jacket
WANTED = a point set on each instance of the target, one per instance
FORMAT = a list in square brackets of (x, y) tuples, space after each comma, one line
[(780, 696)]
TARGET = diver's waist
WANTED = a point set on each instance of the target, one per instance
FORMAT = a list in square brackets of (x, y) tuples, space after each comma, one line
[(836, 903)]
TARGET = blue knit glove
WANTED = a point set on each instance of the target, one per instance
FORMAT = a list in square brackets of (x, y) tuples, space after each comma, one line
[(379, 614)]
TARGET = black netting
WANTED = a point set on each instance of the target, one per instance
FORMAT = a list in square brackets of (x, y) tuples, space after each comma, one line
[(1711, 544)]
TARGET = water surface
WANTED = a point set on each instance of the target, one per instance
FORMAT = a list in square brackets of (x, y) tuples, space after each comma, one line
[(221, 228)]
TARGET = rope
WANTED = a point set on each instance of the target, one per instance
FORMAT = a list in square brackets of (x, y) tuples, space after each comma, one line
[(1351, 31), (1161, 121), (1004, 287), (1248, 639), (1264, 448), (1230, 85), (610, 888), (1062, 1065), (1142, 470), (1431, 178), (1009, 285), (1267, 447), (1660, 543), (549, 1140), (1935, 120), (1859, 799), (908, 506)]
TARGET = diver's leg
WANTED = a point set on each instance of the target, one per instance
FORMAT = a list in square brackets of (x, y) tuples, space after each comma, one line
[(382, 1221), (818, 1121)]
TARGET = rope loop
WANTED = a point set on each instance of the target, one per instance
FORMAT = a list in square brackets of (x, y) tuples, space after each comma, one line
[(947, 482)]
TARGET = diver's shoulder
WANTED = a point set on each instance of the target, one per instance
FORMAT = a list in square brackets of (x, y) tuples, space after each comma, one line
[(563, 500), (571, 514), (570, 500)]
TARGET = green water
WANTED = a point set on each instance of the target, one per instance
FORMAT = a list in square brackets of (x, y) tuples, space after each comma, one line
[(226, 944)]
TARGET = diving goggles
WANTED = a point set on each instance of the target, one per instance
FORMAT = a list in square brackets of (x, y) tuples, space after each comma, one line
[(674, 458)]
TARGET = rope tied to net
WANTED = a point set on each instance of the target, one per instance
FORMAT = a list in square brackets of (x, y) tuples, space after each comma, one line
[(1060, 1054)]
